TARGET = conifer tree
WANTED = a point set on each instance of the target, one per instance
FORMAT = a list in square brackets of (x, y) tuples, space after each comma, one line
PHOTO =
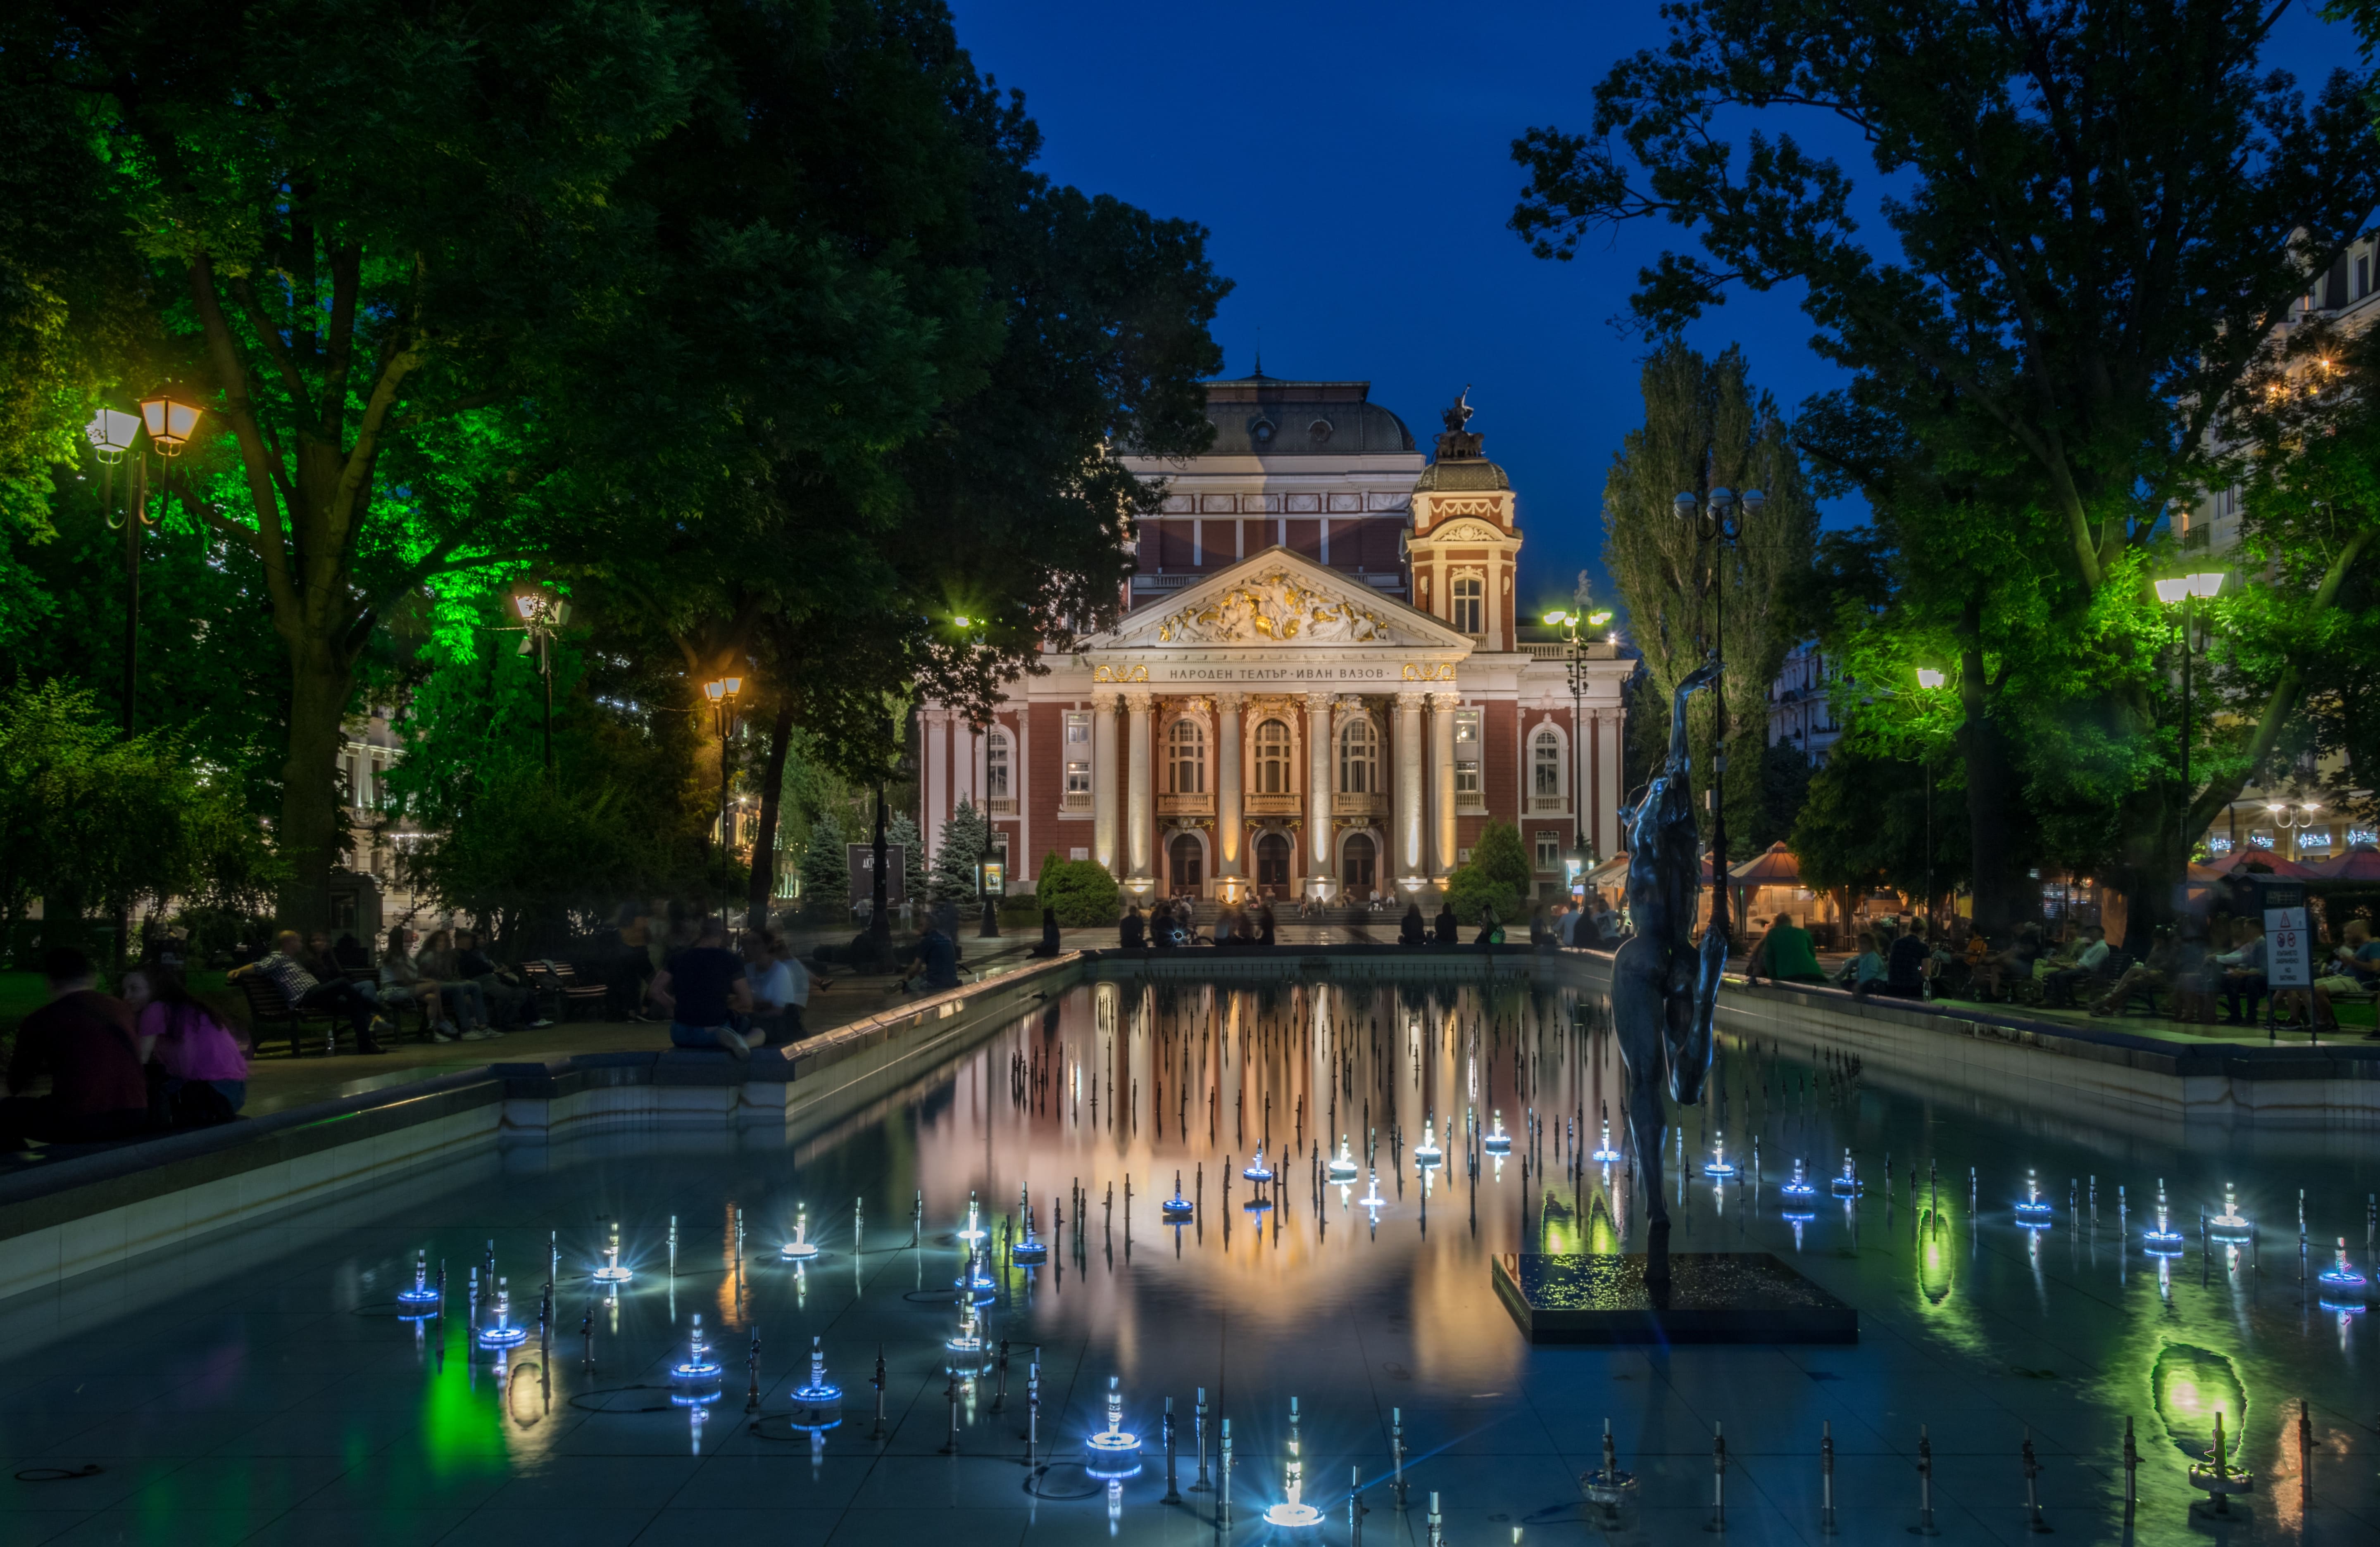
[(902, 828), (826, 868), (967, 838)]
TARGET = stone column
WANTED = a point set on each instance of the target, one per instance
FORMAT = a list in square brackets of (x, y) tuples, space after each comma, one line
[(1612, 735), (1104, 846), (1139, 795), (1231, 822), (1318, 788), (935, 727), (1411, 850), (1442, 780)]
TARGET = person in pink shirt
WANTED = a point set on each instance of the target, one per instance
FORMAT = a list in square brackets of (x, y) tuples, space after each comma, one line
[(189, 1042)]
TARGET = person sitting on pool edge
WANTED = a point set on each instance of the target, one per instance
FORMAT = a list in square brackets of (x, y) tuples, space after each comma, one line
[(700, 988)]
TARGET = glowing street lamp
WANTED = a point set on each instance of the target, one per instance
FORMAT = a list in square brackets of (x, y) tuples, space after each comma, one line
[(1717, 522), (721, 693), (111, 433), (1930, 679), (542, 613), (170, 422), (1568, 622)]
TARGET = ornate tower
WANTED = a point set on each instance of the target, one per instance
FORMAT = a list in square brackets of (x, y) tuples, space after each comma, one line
[(1465, 546)]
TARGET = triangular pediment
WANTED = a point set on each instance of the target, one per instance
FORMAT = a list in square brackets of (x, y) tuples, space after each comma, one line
[(1279, 599)]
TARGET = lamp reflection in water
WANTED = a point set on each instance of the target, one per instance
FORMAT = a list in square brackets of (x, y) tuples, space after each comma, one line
[(1293, 1512), (1498, 1141), (2228, 1227), (1114, 1453), (1177, 1209), (970, 1352), (1604, 1153), (1031, 1250), (2033, 1211), (612, 1272), (1798, 1204), (422, 1299), (694, 1380), (1342, 1167), (975, 1230), (1427, 1153), (801, 1249), (2161, 1240), (1718, 1166), (502, 1334)]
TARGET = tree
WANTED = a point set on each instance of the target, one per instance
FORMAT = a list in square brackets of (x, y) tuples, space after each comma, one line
[(1085, 893), (826, 870), (967, 840), (1864, 826), (2098, 214), (1497, 876), (89, 815), (1705, 428), (902, 829)]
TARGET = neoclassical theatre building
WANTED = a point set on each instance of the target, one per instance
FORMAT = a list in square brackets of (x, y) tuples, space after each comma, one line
[(1322, 684)]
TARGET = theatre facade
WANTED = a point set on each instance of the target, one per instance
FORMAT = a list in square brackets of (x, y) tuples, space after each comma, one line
[(1321, 685)]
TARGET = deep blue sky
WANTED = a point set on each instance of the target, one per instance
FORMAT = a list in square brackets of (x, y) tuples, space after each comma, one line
[(1351, 163)]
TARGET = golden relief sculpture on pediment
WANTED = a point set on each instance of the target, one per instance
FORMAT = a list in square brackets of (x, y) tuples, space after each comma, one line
[(1273, 607)]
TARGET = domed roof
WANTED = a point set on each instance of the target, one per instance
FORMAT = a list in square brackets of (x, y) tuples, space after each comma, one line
[(1265, 415), (1463, 475)]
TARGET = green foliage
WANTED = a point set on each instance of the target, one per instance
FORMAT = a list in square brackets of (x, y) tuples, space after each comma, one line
[(87, 817), (1084, 894), (1864, 827), (967, 840), (1706, 428), (902, 828), (1785, 774), (1497, 877), (826, 870)]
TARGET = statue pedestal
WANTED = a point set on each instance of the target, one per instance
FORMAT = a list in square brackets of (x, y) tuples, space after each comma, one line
[(1714, 1297)]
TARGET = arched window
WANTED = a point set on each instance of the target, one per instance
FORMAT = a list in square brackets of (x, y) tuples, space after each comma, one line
[(1546, 760), (1359, 758), (1470, 604), (996, 767), (1186, 754), (1272, 758)]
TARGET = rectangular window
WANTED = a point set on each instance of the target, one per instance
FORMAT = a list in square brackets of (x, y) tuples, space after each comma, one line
[(1078, 780), (995, 768), (1549, 851), (1466, 757), (1078, 729)]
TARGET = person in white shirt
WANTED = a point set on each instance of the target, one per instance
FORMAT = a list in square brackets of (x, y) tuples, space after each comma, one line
[(781, 989), (2087, 962)]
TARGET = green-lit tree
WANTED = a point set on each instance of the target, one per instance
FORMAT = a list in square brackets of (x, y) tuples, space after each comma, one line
[(1706, 428), (2098, 214)]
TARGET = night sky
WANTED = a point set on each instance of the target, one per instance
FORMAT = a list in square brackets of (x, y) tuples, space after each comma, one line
[(1351, 163)]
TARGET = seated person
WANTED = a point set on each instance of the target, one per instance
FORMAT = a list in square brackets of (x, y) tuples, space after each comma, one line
[(701, 989), (780, 986), (1447, 931), (2243, 971), (2354, 968), (1865, 972), (2151, 976), (1050, 945), (1132, 930), (2065, 981), (509, 1000), (304, 991), (205, 1061), (1413, 929), (1788, 955), (85, 1043), (935, 967), (1907, 964)]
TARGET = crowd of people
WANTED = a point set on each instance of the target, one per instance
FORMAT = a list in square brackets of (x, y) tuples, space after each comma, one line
[(672, 964), (152, 1058)]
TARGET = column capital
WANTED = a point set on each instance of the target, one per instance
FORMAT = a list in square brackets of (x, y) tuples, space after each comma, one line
[(1230, 703), (1409, 699), (1105, 699), (1139, 701), (1443, 701), (1318, 703)]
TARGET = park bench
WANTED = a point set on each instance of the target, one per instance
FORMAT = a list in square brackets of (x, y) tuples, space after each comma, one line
[(558, 988), (267, 1006)]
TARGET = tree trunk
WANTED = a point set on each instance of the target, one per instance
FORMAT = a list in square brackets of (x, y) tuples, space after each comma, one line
[(764, 842), (1991, 793), (321, 681)]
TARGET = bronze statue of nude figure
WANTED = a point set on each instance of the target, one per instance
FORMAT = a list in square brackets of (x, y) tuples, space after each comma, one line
[(1663, 990)]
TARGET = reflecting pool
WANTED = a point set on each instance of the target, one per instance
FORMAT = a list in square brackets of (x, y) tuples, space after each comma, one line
[(311, 1399)]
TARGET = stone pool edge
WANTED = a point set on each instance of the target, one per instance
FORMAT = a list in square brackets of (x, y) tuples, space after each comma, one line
[(105, 1210)]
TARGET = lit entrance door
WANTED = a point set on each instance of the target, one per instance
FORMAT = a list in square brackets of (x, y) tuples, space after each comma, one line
[(1355, 865), (1273, 864), (1182, 857)]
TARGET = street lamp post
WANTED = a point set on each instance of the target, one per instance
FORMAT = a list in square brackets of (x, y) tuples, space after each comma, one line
[(2182, 591), (111, 433), (721, 693), (1932, 682), (1718, 523), (542, 613), (1568, 622), (2292, 817)]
